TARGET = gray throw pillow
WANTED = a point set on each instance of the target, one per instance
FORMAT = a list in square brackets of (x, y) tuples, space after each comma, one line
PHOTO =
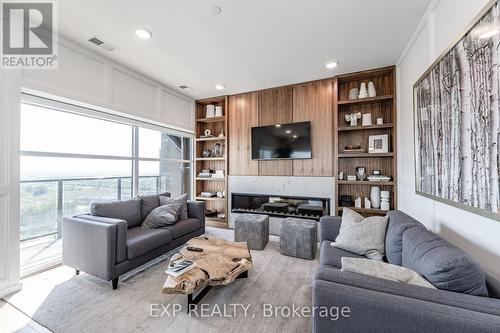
[(180, 200), (364, 236), (384, 270), (162, 216)]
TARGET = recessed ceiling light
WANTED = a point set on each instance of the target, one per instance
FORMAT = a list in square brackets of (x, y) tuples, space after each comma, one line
[(295, 136), (489, 34), (143, 33), (331, 64), (278, 125), (288, 131), (220, 87)]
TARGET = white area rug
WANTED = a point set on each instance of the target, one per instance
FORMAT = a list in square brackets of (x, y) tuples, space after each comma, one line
[(63, 302)]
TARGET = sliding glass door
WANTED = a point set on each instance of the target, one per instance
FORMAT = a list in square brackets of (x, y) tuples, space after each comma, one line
[(71, 157)]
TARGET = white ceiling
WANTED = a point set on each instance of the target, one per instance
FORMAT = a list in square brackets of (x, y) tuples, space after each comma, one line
[(253, 44)]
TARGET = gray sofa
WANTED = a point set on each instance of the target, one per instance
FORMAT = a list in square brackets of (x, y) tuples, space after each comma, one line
[(110, 241), (378, 305)]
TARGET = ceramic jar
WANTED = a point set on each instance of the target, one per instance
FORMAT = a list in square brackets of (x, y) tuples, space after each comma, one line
[(363, 91), (375, 196), (371, 89)]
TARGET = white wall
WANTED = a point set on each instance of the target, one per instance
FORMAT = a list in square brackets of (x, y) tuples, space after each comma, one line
[(88, 79), (477, 235)]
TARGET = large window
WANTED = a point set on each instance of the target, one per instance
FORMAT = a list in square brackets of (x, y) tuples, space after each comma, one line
[(71, 157)]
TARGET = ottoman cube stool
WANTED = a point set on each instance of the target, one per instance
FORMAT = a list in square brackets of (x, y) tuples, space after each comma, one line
[(253, 229), (298, 238)]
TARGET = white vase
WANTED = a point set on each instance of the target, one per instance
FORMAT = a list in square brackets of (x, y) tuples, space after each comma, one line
[(210, 111), (363, 92), (375, 196), (218, 111), (353, 93), (371, 89), (367, 119)]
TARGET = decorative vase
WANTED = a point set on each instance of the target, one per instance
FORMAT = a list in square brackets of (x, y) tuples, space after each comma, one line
[(210, 111), (368, 204), (385, 205), (371, 89), (380, 121), (353, 93), (363, 92), (218, 111), (367, 119), (357, 202), (360, 173), (375, 196)]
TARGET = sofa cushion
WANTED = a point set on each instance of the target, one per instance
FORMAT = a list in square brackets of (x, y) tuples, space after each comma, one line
[(141, 241), (384, 271), (162, 216), (183, 227), (397, 224), (444, 265), (182, 200), (150, 202), (128, 210), (364, 236), (332, 256)]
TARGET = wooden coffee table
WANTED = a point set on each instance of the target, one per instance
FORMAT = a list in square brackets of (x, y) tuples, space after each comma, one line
[(220, 263)]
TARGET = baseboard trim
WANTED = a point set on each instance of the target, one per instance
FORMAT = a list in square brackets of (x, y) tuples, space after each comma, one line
[(9, 290)]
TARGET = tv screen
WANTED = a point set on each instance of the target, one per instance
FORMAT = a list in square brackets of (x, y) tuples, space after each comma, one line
[(281, 141)]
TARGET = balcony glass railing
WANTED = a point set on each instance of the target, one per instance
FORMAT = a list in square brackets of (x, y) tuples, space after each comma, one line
[(44, 202)]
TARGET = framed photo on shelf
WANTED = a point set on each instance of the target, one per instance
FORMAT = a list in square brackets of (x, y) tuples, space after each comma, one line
[(378, 144)]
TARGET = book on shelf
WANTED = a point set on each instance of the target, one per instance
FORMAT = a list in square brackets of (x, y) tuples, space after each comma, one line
[(377, 178), (180, 268), (208, 194), (204, 175)]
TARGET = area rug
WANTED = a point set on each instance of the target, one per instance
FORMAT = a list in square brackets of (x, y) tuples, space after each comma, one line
[(264, 302)]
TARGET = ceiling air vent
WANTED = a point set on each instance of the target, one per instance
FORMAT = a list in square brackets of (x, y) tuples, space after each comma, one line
[(184, 87), (100, 43)]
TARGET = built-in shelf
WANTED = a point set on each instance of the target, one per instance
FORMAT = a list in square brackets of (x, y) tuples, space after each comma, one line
[(210, 198), (211, 120), (366, 210), (365, 182), (210, 159), (206, 178), (366, 100), (361, 128), (357, 155), (212, 138)]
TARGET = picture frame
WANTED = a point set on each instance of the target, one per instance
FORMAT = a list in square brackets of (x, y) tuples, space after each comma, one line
[(378, 144), (456, 138)]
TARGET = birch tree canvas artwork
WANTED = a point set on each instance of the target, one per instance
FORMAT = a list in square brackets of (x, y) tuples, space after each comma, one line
[(457, 121)]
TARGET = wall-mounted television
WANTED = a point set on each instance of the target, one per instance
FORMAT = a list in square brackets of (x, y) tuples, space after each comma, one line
[(282, 141)]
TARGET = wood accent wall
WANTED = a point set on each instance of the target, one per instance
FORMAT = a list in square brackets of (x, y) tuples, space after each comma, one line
[(276, 107), (313, 102), (243, 115)]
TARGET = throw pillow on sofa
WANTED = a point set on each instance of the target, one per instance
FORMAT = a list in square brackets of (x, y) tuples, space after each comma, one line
[(384, 270), (444, 265), (180, 200), (364, 236), (162, 216)]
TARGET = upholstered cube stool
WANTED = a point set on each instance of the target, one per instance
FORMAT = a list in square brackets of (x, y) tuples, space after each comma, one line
[(298, 238), (253, 229)]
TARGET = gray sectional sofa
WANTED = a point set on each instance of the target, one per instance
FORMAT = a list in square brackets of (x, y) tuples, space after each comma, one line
[(110, 241), (467, 300)]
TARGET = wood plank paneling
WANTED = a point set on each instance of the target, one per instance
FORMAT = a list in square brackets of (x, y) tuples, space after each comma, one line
[(243, 115), (313, 102), (275, 107)]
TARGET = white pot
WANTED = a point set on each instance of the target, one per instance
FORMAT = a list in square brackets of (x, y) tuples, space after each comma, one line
[(363, 92), (367, 119), (375, 196), (371, 89), (353, 93), (210, 111), (218, 111)]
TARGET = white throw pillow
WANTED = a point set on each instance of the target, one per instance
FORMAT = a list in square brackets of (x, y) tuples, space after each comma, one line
[(364, 236), (384, 270)]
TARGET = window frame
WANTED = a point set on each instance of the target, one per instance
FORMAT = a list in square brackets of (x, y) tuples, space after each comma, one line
[(135, 125)]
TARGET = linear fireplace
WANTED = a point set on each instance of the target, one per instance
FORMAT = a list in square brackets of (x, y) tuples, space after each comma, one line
[(280, 205)]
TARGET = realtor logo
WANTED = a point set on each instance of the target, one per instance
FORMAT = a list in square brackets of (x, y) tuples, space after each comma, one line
[(28, 34)]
